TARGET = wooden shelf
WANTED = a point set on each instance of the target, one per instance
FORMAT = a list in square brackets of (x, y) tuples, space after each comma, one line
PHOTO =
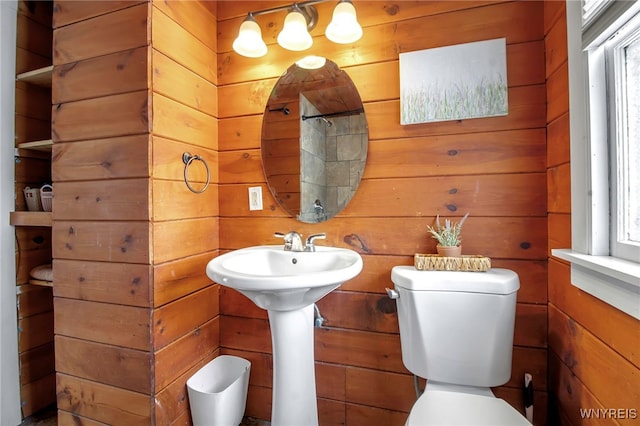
[(44, 145), (41, 282), (40, 77), (30, 218)]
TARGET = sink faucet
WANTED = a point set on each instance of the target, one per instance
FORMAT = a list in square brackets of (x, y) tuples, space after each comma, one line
[(293, 241), (310, 244)]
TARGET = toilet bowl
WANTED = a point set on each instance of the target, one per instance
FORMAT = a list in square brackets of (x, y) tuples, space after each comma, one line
[(441, 407), (456, 331)]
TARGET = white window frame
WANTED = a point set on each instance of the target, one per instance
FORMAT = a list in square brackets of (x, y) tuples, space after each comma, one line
[(593, 269)]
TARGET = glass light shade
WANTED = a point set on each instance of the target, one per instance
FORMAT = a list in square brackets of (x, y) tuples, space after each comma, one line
[(249, 42), (344, 27), (312, 62), (294, 34)]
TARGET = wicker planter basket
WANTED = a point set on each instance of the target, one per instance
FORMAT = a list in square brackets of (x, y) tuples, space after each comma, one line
[(434, 262)]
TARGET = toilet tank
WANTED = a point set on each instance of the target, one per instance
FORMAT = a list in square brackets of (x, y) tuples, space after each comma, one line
[(457, 327)]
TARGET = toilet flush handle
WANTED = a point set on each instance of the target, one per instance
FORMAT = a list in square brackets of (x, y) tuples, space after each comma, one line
[(392, 293)]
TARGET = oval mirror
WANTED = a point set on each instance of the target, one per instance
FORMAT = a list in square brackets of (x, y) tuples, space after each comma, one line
[(314, 141)]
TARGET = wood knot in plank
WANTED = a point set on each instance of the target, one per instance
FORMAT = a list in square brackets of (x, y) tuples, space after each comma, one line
[(356, 242)]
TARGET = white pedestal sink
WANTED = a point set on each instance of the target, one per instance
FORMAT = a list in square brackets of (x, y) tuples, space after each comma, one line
[(287, 284)]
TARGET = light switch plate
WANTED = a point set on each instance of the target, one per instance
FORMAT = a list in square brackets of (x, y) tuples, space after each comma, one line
[(255, 198)]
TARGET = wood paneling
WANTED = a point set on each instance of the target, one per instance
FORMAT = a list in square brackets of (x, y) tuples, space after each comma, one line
[(94, 118), (180, 277), (33, 37), (126, 242), (505, 156), (36, 395), (174, 360), (184, 315), (593, 347), (494, 167), (109, 282), (521, 238), (106, 33), (102, 403), (176, 239), (173, 79), (165, 166), (595, 363), (35, 330), (393, 33), (136, 315), (33, 248), (616, 329), (112, 365), (68, 12), (126, 71), (124, 199), (172, 403), (119, 325), (33, 243), (186, 331), (111, 158), (176, 121), (177, 39)]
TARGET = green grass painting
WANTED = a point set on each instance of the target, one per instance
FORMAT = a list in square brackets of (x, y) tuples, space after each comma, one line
[(453, 83)]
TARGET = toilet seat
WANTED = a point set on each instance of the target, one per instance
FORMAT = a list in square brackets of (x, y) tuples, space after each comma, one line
[(440, 408)]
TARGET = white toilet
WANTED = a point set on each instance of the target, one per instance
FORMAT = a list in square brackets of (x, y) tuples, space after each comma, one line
[(456, 331)]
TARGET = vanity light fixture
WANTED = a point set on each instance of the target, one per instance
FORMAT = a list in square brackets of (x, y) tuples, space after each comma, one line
[(344, 27), (294, 35), (301, 18), (249, 42)]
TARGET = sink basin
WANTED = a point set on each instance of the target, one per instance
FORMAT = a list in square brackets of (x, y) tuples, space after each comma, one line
[(275, 279), (287, 284)]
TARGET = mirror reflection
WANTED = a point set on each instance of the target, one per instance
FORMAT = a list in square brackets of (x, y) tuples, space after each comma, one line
[(314, 141)]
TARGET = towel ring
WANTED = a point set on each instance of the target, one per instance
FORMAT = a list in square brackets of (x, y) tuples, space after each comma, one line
[(187, 159)]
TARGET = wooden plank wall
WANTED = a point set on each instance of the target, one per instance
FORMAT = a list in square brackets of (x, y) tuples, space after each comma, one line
[(494, 168), (135, 315), (593, 347), (33, 244), (185, 225), (101, 229)]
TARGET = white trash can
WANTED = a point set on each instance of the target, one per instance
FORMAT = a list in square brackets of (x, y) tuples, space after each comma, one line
[(218, 392)]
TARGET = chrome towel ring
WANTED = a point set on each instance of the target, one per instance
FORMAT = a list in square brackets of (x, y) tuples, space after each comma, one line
[(187, 159)]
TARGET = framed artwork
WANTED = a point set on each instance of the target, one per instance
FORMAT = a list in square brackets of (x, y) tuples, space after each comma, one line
[(454, 82)]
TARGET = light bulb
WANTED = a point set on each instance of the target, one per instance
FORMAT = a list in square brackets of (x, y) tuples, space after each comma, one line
[(344, 27), (249, 42), (311, 62), (294, 34)]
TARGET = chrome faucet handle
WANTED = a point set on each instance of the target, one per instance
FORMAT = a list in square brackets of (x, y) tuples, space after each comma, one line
[(310, 244), (292, 240)]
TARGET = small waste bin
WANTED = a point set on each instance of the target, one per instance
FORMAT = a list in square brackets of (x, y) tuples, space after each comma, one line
[(218, 392)]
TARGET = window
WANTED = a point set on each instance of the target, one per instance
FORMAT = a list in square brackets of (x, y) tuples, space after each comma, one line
[(623, 67), (604, 92)]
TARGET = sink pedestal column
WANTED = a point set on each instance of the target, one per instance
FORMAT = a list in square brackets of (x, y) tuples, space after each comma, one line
[(294, 380)]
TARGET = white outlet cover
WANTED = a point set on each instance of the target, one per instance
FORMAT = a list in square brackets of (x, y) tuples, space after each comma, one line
[(255, 198)]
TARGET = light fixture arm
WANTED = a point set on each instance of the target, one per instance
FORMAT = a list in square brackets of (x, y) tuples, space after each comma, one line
[(309, 12)]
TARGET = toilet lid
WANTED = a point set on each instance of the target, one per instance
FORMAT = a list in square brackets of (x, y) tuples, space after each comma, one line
[(452, 408)]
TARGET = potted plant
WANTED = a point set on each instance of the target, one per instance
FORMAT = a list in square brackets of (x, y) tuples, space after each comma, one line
[(448, 236)]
